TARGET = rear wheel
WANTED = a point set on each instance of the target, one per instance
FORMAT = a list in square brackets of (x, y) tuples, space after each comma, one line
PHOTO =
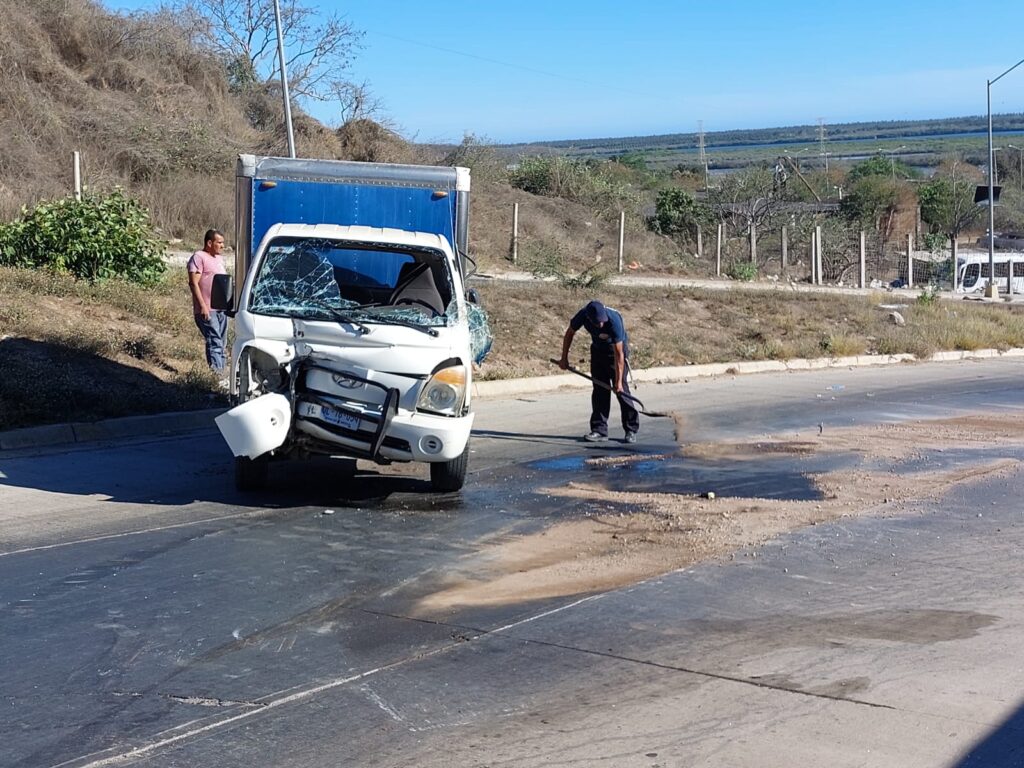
[(251, 474), (450, 475)]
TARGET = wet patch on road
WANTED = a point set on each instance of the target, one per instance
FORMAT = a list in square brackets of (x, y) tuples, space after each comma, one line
[(682, 475), (622, 518)]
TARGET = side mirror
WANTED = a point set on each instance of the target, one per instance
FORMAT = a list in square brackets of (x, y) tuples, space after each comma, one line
[(222, 293), (472, 296)]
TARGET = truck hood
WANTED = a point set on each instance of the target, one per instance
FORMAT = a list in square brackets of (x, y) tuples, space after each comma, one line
[(385, 348)]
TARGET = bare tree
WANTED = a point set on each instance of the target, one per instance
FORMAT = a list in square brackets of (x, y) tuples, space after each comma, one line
[(749, 196), (355, 101), (947, 201), (242, 33)]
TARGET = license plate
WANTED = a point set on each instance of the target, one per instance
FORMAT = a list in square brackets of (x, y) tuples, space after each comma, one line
[(339, 418)]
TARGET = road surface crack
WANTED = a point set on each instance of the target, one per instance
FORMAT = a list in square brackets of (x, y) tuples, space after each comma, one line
[(199, 701), (459, 629)]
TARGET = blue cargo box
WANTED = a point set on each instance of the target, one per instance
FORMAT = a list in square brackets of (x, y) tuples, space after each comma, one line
[(281, 190)]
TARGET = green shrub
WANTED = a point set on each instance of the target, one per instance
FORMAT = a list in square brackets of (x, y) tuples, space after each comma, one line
[(742, 270), (677, 212), (929, 295), (935, 242), (95, 238)]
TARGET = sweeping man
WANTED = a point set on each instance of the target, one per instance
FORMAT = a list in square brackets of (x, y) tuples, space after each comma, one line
[(609, 365)]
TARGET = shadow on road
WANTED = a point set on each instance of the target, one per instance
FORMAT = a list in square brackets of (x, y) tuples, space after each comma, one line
[(1003, 748), (49, 383)]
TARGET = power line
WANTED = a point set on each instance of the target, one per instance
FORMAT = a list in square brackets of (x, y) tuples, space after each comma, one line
[(510, 65)]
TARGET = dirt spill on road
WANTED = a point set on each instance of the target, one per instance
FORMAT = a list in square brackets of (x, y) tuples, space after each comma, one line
[(900, 464)]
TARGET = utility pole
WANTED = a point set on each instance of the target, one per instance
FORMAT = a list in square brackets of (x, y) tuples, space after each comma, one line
[(703, 154)]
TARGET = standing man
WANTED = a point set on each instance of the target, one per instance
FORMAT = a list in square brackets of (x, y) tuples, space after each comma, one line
[(609, 364), (213, 324)]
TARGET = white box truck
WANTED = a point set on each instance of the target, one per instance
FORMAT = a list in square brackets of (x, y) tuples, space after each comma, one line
[(352, 317)]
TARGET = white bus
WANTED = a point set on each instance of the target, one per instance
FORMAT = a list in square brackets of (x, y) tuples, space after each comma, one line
[(973, 272)]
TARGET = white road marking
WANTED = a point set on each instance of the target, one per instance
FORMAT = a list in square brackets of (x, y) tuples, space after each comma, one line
[(155, 529), (269, 702)]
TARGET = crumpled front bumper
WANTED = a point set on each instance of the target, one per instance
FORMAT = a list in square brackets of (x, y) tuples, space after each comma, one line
[(407, 436), (352, 413)]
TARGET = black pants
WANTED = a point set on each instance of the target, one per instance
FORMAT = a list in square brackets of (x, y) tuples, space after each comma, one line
[(602, 368)]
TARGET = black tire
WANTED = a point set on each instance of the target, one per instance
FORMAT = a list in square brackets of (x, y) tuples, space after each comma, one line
[(251, 474), (447, 476)]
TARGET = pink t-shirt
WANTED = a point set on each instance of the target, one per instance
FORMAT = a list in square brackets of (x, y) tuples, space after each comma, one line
[(207, 266)]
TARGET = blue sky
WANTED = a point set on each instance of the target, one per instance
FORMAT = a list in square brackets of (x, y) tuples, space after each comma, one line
[(533, 70)]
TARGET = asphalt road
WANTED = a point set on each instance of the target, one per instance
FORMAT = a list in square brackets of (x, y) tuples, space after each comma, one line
[(153, 616)]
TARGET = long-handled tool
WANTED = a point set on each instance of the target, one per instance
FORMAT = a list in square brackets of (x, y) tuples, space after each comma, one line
[(634, 401)]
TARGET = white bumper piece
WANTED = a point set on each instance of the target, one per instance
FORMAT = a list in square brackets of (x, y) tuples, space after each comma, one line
[(256, 426)]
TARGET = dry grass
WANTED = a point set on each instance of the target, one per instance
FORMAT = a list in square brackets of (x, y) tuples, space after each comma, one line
[(71, 351), (683, 326)]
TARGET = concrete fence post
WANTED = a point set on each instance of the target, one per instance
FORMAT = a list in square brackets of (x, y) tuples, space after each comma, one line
[(953, 255), (814, 250), (77, 160), (515, 232), (718, 253), (753, 243), (700, 242), (622, 237), (817, 255), (785, 246), (863, 261), (1009, 275), (910, 260)]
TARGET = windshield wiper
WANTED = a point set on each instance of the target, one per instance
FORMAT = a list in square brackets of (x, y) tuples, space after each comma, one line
[(389, 320), (384, 315), (339, 315)]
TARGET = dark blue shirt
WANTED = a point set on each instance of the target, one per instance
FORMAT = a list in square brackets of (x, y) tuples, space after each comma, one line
[(611, 332)]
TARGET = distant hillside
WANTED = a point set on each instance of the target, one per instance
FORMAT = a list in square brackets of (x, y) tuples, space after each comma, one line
[(798, 134)]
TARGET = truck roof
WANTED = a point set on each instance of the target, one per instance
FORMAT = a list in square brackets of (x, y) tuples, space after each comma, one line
[(350, 172), (363, 235)]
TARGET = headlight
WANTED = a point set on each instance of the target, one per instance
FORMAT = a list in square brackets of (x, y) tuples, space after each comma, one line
[(266, 373), (444, 392)]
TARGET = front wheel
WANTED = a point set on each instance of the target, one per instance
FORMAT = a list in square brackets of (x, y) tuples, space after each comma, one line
[(450, 475), (251, 474)]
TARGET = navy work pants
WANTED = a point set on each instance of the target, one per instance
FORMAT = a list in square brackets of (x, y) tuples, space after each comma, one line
[(215, 332), (602, 368)]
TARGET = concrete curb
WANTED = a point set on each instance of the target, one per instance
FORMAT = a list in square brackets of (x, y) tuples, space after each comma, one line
[(665, 375), (162, 424), (154, 425)]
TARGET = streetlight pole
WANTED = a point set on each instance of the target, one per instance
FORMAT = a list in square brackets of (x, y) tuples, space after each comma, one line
[(796, 157), (892, 160), (990, 289), (284, 81)]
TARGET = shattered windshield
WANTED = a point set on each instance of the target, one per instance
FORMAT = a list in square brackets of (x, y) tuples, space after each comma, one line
[(316, 278)]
